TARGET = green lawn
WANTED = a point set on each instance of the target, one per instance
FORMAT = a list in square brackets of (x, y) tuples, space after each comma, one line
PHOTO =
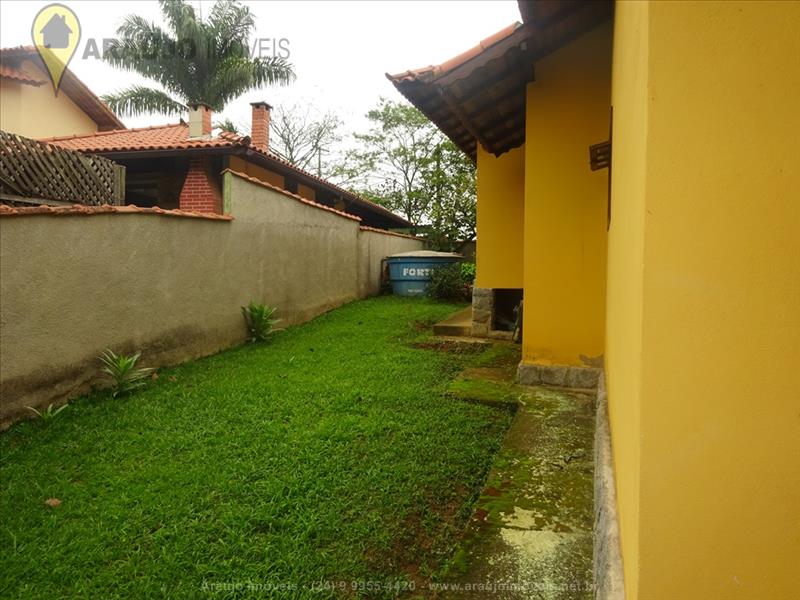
[(329, 457)]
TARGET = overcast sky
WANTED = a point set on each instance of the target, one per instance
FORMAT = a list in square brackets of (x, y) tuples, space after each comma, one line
[(340, 50)]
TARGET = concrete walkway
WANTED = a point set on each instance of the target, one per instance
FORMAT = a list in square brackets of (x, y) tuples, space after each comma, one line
[(530, 534)]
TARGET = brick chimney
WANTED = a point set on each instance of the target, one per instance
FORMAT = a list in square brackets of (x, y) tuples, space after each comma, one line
[(199, 120), (259, 130)]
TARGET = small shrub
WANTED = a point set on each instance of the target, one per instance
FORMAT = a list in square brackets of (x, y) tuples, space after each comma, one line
[(123, 370), (50, 413), (468, 272), (447, 283), (260, 321)]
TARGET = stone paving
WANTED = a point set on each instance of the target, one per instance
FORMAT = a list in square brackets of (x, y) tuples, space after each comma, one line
[(530, 535)]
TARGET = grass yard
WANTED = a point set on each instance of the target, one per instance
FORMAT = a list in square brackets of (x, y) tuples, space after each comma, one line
[(327, 462)]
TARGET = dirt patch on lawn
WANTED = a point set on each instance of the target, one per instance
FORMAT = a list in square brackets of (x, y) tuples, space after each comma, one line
[(454, 346)]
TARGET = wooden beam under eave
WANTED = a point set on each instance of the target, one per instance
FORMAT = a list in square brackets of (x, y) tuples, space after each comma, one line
[(463, 118)]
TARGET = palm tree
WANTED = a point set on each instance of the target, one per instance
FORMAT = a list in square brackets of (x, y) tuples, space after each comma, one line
[(197, 61)]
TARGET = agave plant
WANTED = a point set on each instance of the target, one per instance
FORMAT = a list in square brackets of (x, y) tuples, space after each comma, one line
[(123, 369), (48, 414), (260, 321)]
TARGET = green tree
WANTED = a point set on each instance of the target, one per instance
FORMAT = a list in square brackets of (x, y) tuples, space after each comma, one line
[(227, 125), (406, 164), (451, 179), (195, 61)]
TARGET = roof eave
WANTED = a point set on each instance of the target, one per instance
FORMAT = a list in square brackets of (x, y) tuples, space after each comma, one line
[(479, 96), (307, 179), (261, 159), (74, 88)]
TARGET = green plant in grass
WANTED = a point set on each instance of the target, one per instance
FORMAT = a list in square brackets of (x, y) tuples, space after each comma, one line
[(260, 320), (50, 413), (123, 370), (447, 283), (468, 272), (218, 466)]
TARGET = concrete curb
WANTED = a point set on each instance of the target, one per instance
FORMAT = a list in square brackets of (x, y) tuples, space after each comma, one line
[(608, 574), (559, 376)]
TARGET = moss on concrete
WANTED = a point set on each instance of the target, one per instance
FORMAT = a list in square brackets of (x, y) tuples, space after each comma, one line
[(530, 532)]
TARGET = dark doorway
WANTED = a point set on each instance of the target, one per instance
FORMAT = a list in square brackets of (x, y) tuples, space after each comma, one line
[(505, 301)]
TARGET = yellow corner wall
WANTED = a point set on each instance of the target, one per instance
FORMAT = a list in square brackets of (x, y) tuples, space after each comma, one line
[(704, 327), (623, 356), (36, 112), (501, 209), (248, 168), (566, 203)]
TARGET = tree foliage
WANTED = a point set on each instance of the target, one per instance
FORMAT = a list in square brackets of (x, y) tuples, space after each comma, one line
[(406, 164), (193, 60)]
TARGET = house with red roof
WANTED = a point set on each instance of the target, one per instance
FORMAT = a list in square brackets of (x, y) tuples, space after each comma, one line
[(180, 165), (171, 166), (31, 109)]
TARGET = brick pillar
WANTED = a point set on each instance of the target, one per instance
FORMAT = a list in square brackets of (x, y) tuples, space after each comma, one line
[(207, 121), (197, 193)]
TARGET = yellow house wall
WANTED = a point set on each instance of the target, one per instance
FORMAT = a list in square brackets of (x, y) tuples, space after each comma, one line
[(35, 112), (623, 356), (242, 166), (565, 203), (501, 209), (707, 298)]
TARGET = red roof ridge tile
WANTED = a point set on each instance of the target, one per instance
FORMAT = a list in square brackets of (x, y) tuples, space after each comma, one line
[(104, 209), (387, 232), (76, 136), (280, 190), (459, 59), (22, 49), (91, 104), (9, 72)]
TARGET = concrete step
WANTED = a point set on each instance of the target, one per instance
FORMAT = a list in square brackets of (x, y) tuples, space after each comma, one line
[(458, 325)]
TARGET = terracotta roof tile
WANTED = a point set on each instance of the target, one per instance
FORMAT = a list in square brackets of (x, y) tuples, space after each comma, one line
[(176, 137), (449, 65), (280, 190), (9, 72), (387, 232), (17, 51), (104, 209), (159, 137)]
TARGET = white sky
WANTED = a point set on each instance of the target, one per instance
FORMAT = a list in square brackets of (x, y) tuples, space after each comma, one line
[(340, 50)]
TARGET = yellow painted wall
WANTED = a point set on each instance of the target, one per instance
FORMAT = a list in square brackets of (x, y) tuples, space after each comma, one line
[(565, 203), (623, 357), (306, 192), (708, 297), (35, 112), (248, 168), (501, 209)]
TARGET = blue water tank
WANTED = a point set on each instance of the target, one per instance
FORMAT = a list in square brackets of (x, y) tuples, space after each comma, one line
[(410, 272)]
